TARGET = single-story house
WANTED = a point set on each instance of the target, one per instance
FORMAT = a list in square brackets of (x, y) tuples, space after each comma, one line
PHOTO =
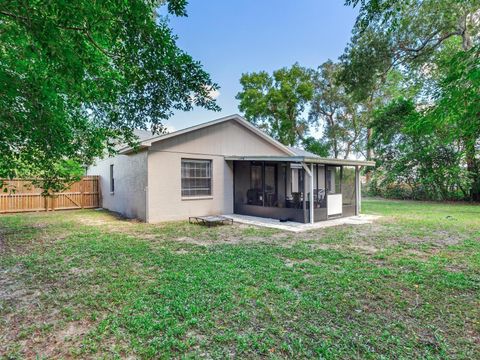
[(226, 166)]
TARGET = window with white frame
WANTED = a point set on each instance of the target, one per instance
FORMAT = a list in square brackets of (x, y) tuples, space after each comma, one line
[(196, 177)]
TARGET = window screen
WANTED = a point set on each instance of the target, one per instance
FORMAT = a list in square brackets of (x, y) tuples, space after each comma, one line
[(196, 177), (334, 179)]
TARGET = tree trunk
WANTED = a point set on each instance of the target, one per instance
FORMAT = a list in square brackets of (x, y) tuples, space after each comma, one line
[(474, 170), (368, 174), (465, 21)]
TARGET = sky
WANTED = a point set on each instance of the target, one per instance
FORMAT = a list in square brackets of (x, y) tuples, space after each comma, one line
[(232, 37)]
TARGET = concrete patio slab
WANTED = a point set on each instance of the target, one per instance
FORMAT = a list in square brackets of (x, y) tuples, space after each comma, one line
[(300, 227)]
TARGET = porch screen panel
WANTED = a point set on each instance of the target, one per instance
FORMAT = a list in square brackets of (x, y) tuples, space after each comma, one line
[(320, 191), (196, 177), (348, 190), (256, 177), (333, 179)]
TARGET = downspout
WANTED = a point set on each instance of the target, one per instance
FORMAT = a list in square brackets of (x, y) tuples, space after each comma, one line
[(310, 174), (147, 195)]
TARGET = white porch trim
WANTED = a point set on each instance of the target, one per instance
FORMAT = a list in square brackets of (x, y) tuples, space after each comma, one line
[(310, 174)]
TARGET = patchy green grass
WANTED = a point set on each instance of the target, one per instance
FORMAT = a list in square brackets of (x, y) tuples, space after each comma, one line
[(87, 284)]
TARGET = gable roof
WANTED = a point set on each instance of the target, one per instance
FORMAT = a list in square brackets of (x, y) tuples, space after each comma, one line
[(292, 154), (146, 143)]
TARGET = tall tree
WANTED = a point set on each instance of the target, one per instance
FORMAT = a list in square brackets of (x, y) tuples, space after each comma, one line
[(341, 117), (412, 164), (406, 33), (76, 77), (344, 118), (276, 103), (457, 108), (435, 45)]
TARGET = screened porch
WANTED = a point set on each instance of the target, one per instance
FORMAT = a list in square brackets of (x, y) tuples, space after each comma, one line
[(294, 190)]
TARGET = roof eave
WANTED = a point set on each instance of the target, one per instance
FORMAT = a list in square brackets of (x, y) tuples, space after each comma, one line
[(129, 150), (305, 159), (339, 161)]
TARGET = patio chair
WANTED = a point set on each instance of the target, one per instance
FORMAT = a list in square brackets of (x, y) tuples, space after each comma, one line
[(297, 200), (251, 196)]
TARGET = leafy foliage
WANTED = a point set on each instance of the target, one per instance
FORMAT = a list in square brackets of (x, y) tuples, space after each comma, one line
[(77, 77), (434, 45), (412, 164), (276, 103), (316, 146), (341, 116), (404, 34)]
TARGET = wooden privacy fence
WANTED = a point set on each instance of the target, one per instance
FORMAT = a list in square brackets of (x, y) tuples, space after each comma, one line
[(26, 197)]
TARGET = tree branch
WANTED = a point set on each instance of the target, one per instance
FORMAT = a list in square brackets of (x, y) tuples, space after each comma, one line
[(13, 16), (83, 30), (428, 40)]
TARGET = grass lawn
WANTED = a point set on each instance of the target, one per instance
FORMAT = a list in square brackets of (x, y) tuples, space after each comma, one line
[(87, 284)]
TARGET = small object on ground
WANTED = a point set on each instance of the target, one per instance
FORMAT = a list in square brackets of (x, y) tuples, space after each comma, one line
[(212, 220), (283, 219)]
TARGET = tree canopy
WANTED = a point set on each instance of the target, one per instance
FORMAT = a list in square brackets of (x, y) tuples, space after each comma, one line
[(406, 92), (435, 46), (342, 118), (76, 77), (276, 103)]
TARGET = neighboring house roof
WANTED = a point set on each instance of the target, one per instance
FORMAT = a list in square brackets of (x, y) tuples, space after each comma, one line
[(301, 152), (240, 120), (307, 156), (143, 134)]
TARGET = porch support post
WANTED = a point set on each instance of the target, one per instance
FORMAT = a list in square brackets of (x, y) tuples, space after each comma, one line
[(310, 174), (358, 189)]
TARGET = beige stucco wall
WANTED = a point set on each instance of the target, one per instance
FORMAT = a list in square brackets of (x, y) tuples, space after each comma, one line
[(130, 174), (227, 139), (213, 143), (165, 202)]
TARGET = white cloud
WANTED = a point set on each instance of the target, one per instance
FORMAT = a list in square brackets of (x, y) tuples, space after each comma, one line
[(170, 129), (214, 94)]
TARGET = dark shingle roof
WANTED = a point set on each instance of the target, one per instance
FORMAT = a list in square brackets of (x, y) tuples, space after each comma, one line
[(143, 134), (301, 152)]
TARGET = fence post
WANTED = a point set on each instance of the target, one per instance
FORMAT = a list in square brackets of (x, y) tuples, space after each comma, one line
[(98, 190), (82, 190)]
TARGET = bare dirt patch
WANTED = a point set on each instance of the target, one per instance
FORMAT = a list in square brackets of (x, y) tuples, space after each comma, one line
[(369, 249), (74, 271), (12, 289), (233, 238), (71, 333), (182, 252), (291, 262), (113, 222), (58, 343), (30, 323)]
